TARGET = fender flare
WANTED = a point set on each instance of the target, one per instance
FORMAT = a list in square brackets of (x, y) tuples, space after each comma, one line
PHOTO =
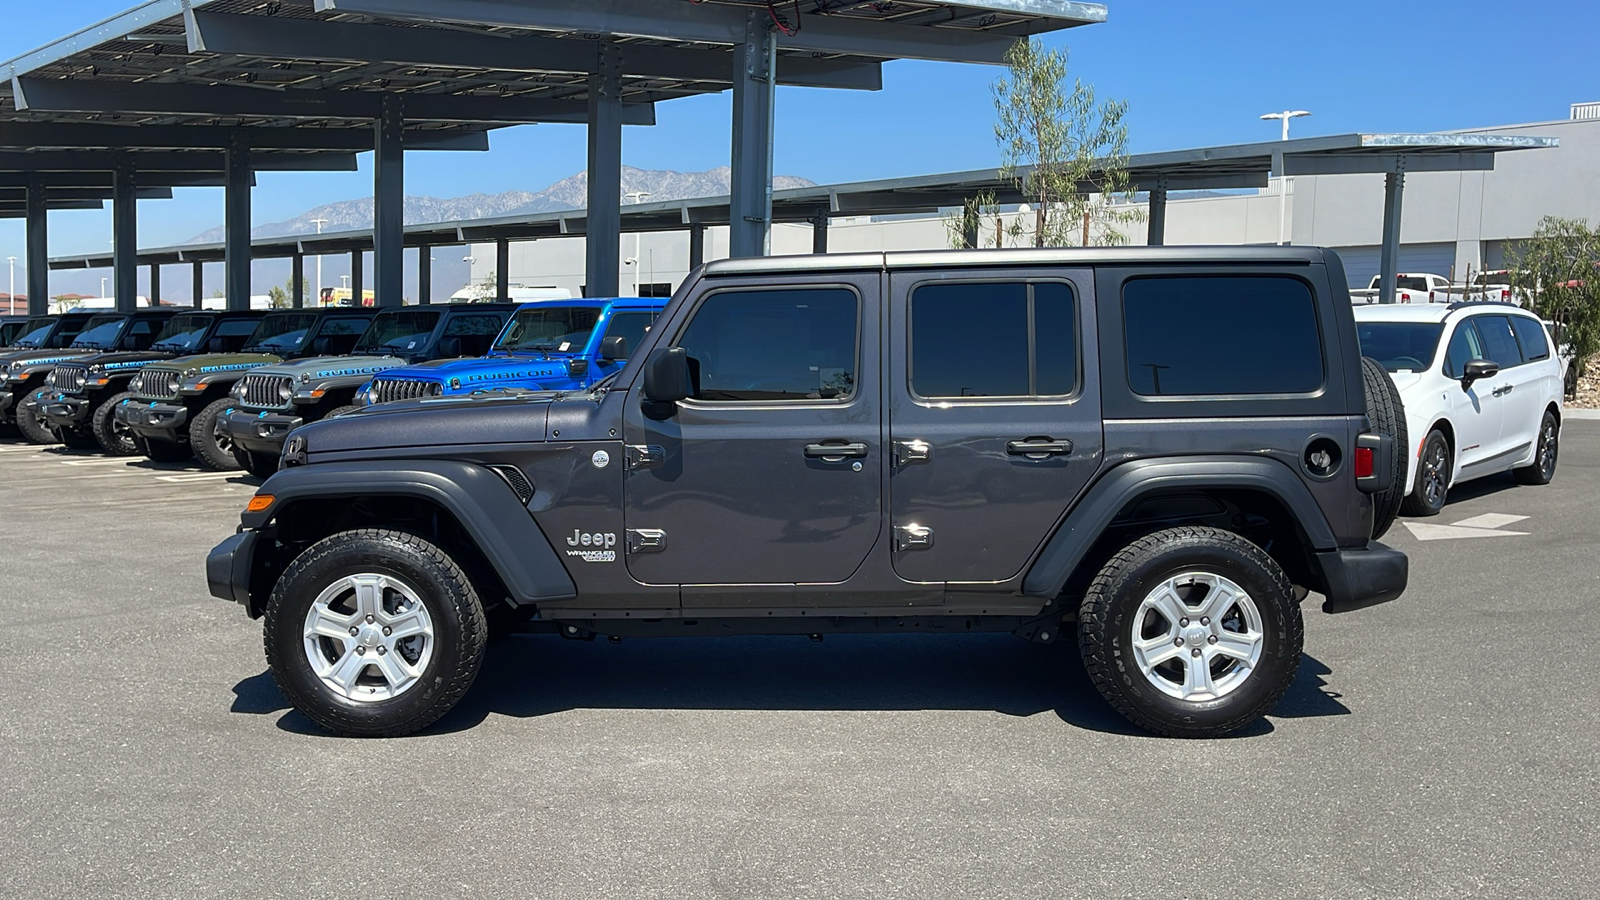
[(480, 500), (1065, 550)]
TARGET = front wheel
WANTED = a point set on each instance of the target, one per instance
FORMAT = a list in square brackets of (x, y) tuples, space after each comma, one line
[(209, 437), (1543, 467), (374, 633), (115, 438), (1433, 477), (35, 428), (1191, 632)]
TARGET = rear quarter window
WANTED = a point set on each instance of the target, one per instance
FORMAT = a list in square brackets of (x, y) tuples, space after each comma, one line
[(1211, 336), (1531, 335)]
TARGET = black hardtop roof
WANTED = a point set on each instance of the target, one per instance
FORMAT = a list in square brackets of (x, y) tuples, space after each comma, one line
[(1064, 256)]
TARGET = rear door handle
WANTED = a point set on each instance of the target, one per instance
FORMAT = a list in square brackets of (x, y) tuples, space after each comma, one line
[(836, 452), (1038, 448)]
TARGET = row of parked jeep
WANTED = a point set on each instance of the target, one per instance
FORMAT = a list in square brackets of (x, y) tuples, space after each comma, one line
[(225, 388)]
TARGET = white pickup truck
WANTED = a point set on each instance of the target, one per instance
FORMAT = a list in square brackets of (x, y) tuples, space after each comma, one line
[(1494, 286), (1410, 287)]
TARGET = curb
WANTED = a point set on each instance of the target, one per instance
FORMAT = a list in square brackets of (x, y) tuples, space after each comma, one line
[(1581, 414)]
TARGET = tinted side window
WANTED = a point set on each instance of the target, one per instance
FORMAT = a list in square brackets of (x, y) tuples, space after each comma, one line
[(465, 325), (797, 344), (1221, 335), (993, 340), (1464, 348), (1531, 335), (141, 334), (1498, 341), (237, 328), (631, 327)]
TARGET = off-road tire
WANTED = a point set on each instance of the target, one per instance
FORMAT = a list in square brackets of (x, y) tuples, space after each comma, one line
[(164, 451), (1540, 471), (1417, 503), (1106, 619), (212, 450), (460, 631), (78, 440), (261, 465), (113, 441), (1387, 415), (34, 429)]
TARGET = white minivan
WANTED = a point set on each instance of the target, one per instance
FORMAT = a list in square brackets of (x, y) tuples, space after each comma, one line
[(1482, 389)]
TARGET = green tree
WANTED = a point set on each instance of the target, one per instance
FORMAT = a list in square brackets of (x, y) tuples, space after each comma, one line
[(278, 297), (1559, 270), (1064, 151)]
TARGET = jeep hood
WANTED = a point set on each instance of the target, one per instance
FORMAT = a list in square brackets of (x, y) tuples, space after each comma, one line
[(121, 359), (483, 374), (493, 417), (333, 366), (42, 356), (207, 363)]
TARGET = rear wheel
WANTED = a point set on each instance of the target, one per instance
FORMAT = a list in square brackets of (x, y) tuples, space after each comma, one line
[(1543, 467), (115, 438), (261, 465), (1387, 415), (209, 438), (374, 633), (1191, 632), (1434, 468), (35, 429)]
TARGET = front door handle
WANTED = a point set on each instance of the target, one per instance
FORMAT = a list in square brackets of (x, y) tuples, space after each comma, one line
[(1504, 389), (836, 452), (1039, 449)]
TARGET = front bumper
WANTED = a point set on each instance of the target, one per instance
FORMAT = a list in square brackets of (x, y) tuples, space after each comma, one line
[(152, 420), (63, 411), (1357, 579), (261, 432), (228, 568)]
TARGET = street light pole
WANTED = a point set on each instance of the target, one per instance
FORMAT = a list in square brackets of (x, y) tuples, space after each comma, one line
[(11, 298), (1283, 180), (319, 224), (635, 197)]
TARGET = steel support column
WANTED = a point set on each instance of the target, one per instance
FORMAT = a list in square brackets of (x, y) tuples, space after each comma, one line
[(697, 246), (38, 251), (198, 287), (603, 232), (502, 271), (750, 215), (424, 274), (1394, 186), (1156, 235), (124, 237), (389, 200), (297, 280), (357, 276), (819, 232), (971, 220), (236, 223), (155, 284)]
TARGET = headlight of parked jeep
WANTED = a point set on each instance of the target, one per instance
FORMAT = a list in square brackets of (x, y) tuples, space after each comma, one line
[(238, 390), (285, 390), (50, 380)]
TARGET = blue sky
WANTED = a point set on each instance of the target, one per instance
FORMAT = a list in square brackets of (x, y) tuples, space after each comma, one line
[(1195, 74)]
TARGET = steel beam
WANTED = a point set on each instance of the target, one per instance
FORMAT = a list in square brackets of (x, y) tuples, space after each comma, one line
[(38, 252), (750, 230), (236, 224), (603, 244), (310, 39), (1372, 163), (123, 98), (102, 179), (700, 23), (424, 274), (297, 280), (125, 238), (155, 283), (17, 194), (358, 276), (1394, 186), (389, 202), (96, 136), (187, 161), (1157, 232), (819, 232), (197, 284), (697, 246), (502, 270)]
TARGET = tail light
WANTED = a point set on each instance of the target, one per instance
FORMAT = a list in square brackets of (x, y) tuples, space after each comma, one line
[(1364, 463), (1430, 296), (1373, 463), (1505, 294)]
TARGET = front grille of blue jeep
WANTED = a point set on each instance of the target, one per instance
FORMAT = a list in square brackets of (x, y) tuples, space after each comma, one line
[(388, 390)]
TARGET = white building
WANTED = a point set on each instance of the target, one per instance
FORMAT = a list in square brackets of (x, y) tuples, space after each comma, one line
[(1450, 220)]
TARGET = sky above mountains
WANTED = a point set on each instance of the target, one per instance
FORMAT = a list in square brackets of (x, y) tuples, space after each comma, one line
[(1194, 74)]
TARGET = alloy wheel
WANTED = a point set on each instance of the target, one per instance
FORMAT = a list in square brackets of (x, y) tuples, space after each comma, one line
[(369, 637), (1197, 636)]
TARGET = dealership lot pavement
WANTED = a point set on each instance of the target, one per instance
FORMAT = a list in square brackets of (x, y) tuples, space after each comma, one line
[(1442, 745)]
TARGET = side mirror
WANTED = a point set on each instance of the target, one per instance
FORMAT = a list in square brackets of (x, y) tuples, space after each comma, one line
[(614, 348), (1476, 369), (666, 376)]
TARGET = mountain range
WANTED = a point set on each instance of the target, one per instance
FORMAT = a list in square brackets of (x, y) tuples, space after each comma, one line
[(568, 193)]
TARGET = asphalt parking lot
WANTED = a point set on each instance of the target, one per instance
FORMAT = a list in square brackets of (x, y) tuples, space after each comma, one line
[(1442, 745)]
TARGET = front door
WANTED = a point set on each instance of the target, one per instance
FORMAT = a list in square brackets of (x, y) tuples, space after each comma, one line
[(994, 418), (772, 472), (1476, 411)]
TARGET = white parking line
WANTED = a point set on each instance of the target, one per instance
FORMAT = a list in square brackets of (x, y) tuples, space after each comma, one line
[(1484, 526), (114, 461), (188, 477)]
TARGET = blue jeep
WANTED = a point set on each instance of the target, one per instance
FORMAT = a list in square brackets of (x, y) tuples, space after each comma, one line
[(549, 345)]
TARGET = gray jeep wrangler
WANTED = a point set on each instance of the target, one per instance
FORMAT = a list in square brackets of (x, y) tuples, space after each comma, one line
[(1163, 449)]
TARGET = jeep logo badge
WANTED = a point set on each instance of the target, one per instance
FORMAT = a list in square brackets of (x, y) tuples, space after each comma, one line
[(601, 459)]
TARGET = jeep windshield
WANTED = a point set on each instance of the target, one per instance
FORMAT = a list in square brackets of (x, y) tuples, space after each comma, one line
[(550, 329), (101, 332), (398, 331), (182, 335), (1400, 346), (281, 334), (35, 333)]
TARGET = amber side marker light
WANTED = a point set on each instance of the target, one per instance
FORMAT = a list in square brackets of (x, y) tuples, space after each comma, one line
[(260, 503)]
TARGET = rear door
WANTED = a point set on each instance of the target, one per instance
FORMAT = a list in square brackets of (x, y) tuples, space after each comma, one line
[(994, 417)]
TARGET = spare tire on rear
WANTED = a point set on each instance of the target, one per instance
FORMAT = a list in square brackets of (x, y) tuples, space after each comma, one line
[(1386, 415)]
